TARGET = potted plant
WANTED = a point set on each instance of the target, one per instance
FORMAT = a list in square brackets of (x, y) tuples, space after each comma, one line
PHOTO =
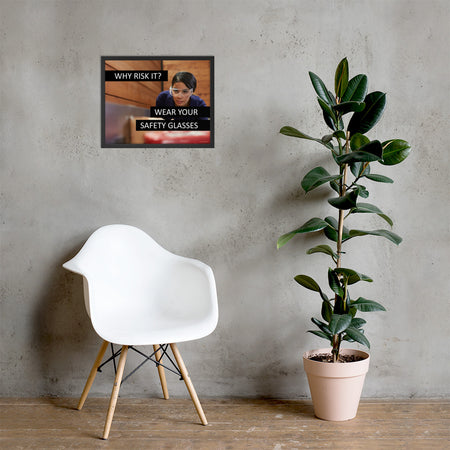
[(354, 153)]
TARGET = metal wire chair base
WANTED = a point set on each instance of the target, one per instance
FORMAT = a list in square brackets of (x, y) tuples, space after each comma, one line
[(152, 357)]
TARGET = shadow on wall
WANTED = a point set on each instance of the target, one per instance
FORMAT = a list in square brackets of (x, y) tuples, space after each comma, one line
[(62, 335)]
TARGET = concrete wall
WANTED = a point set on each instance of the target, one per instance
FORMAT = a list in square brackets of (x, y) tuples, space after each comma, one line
[(226, 205)]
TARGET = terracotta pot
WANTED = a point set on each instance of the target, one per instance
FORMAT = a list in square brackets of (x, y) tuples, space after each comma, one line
[(336, 387)]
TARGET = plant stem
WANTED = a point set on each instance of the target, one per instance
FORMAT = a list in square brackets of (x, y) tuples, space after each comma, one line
[(337, 337), (342, 191), (336, 347)]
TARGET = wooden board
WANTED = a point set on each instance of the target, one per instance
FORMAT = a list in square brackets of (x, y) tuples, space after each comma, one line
[(54, 423), (136, 93)]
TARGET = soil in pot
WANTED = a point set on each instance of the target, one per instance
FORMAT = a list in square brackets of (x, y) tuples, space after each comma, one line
[(328, 357)]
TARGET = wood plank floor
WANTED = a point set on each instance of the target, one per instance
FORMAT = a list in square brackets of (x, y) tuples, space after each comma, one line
[(54, 423)]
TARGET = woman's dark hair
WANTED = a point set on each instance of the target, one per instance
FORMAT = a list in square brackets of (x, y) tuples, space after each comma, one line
[(187, 78)]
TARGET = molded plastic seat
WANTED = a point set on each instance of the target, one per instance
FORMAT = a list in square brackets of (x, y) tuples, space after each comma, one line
[(138, 293)]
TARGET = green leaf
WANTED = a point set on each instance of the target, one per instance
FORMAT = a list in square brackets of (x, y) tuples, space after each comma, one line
[(356, 168), (341, 78), (326, 108), (357, 156), (329, 121), (347, 201), (346, 107), (395, 238), (379, 178), (321, 325), (334, 283), (357, 322), (357, 336), (356, 89), (371, 209), (322, 249), (334, 186), (330, 220), (373, 151), (362, 191), (340, 306), (316, 177), (339, 134), (321, 334), (365, 120), (327, 311), (331, 234), (339, 323), (358, 140), (331, 230), (359, 168), (314, 224), (282, 240), (307, 282), (324, 297), (291, 131), (320, 88), (351, 276), (364, 305), (337, 124), (395, 151)]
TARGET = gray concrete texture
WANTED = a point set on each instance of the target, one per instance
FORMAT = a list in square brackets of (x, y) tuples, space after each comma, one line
[(228, 205)]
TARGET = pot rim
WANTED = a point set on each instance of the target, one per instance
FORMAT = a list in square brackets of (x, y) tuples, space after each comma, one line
[(336, 370), (345, 351)]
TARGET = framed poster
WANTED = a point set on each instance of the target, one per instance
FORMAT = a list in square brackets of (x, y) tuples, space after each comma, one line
[(157, 101)]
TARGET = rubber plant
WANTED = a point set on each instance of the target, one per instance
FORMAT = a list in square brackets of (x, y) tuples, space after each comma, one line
[(354, 154)]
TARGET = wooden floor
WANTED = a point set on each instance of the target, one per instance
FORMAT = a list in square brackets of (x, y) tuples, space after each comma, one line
[(54, 423)]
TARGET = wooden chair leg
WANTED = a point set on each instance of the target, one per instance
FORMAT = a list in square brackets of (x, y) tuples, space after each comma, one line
[(115, 391), (188, 382), (161, 373), (93, 372)]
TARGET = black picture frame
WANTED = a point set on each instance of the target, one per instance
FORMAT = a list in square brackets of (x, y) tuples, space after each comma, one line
[(129, 88)]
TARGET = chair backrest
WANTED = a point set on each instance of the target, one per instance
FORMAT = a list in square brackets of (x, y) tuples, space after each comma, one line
[(117, 250), (119, 258), (126, 272)]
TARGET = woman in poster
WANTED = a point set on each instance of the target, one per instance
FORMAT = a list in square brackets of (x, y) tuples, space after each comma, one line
[(181, 93)]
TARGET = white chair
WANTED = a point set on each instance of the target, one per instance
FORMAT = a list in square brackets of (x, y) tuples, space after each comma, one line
[(137, 293)]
